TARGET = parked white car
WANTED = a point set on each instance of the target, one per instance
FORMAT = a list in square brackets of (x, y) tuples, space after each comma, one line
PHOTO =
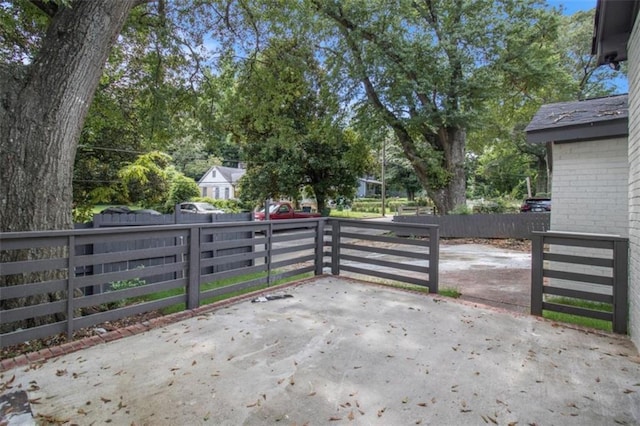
[(200, 208)]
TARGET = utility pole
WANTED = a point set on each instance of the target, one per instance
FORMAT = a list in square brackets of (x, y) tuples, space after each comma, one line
[(384, 158)]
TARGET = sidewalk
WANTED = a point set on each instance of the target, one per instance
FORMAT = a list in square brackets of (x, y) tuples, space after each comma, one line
[(343, 352)]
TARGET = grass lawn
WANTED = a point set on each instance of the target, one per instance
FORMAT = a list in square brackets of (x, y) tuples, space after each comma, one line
[(348, 214), (580, 320), (217, 284)]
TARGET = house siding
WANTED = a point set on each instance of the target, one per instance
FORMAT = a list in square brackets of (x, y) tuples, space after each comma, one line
[(634, 183), (219, 185), (591, 179)]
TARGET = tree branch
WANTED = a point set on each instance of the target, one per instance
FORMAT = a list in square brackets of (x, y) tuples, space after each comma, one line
[(48, 7), (386, 47)]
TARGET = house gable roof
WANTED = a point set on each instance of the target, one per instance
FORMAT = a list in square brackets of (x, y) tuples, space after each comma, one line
[(229, 174), (599, 118)]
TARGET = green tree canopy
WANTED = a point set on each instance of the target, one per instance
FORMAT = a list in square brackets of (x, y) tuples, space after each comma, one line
[(288, 124), (504, 156)]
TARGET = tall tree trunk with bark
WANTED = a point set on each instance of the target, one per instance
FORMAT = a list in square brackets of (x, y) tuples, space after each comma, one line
[(43, 106), (42, 110), (453, 194)]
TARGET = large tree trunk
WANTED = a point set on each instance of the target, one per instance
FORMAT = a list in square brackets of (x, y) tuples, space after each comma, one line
[(42, 111), (448, 198)]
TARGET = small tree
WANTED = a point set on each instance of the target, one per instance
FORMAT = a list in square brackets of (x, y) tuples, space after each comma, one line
[(183, 188), (146, 181), (289, 126)]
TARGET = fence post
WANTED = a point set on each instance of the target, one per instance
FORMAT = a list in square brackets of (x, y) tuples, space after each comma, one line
[(320, 246), (71, 274), (536, 273), (434, 258), (268, 250), (620, 286), (335, 247), (193, 283)]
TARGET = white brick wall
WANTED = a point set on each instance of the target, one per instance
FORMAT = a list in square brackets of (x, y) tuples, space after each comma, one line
[(634, 182), (590, 187)]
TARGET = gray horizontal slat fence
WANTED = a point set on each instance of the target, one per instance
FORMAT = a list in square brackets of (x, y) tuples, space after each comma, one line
[(412, 251), (143, 219), (44, 276), (519, 226), (280, 249), (595, 270)]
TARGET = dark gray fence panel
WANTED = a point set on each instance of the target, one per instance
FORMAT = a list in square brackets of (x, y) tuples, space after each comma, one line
[(352, 252), (484, 225), (173, 256), (133, 219), (617, 280), (219, 235)]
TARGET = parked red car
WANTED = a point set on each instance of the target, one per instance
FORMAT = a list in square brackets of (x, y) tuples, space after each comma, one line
[(283, 210)]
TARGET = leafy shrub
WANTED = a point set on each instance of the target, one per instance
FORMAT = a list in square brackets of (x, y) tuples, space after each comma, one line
[(82, 213), (230, 206), (123, 285), (182, 188), (461, 209), (496, 205)]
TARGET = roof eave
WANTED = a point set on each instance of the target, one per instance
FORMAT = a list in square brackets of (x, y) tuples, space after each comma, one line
[(613, 23), (581, 133)]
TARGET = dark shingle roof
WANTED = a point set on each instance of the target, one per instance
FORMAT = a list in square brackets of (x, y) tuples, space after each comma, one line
[(580, 120), (231, 174)]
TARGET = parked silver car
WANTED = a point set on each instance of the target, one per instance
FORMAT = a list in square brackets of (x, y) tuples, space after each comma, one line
[(200, 208)]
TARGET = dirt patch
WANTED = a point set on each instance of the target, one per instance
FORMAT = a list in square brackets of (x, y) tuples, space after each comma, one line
[(505, 243), (508, 289)]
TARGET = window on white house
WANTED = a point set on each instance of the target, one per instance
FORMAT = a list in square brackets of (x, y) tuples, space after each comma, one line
[(217, 193), (226, 193)]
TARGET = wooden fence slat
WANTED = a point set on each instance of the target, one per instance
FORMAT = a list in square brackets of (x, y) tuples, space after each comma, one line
[(511, 225), (591, 286), (186, 257)]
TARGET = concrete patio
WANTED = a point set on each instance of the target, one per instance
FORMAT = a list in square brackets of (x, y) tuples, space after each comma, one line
[(343, 352)]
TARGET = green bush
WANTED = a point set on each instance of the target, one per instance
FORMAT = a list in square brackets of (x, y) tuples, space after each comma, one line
[(462, 209), (497, 205), (182, 188), (123, 285), (229, 206), (82, 213)]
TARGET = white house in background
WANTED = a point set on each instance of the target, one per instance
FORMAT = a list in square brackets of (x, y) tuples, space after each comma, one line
[(368, 188), (220, 182)]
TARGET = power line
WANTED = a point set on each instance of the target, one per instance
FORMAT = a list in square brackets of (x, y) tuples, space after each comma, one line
[(102, 148)]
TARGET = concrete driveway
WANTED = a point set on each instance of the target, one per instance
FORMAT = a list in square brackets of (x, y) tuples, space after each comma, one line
[(343, 352), (482, 273), (488, 275)]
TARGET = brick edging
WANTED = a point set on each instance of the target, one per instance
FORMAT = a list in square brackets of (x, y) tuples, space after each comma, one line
[(41, 356)]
